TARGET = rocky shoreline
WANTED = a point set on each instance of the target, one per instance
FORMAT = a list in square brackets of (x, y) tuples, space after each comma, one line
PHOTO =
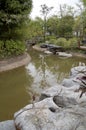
[(15, 62), (61, 107), (63, 54)]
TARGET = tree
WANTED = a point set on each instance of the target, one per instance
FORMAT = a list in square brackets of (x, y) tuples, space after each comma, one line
[(52, 25), (77, 26), (34, 29), (45, 10), (82, 8), (66, 10), (12, 14), (65, 27), (84, 17), (66, 20), (84, 2)]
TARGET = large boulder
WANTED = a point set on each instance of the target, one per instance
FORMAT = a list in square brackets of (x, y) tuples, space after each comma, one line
[(78, 70), (7, 125), (45, 115), (36, 117)]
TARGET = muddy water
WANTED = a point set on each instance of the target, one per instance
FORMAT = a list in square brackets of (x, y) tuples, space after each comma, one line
[(44, 71)]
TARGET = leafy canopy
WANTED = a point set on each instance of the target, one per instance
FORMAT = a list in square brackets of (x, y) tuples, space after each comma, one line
[(12, 14), (13, 11)]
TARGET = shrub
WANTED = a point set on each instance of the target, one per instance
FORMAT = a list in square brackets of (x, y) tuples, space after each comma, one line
[(52, 41), (50, 37), (11, 48), (61, 42), (73, 43), (67, 44)]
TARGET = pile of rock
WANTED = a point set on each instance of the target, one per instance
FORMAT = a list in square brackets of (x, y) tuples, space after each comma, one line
[(59, 108), (52, 49)]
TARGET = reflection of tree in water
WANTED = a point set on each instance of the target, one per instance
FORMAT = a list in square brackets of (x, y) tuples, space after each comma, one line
[(46, 71), (44, 68), (42, 76)]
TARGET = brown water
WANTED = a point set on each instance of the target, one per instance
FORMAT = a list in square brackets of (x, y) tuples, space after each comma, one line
[(43, 71)]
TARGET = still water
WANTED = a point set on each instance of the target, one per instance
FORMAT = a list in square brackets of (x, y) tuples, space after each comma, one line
[(44, 71)]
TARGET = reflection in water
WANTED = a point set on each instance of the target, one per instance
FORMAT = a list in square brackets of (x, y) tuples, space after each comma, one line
[(43, 71), (42, 77), (47, 71)]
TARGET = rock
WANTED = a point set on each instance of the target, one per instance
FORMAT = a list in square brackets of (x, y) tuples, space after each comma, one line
[(48, 116), (61, 91), (39, 48), (47, 52), (51, 47), (60, 108), (63, 54), (7, 125), (69, 82), (37, 117), (64, 101), (78, 70)]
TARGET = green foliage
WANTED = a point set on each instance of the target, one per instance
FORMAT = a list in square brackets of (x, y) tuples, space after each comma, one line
[(12, 14), (61, 42), (65, 26), (67, 44), (50, 37), (73, 43), (34, 30), (11, 48), (52, 25), (52, 41)]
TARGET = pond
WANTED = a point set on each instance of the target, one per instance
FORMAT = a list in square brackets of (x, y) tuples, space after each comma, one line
[(44, 71)]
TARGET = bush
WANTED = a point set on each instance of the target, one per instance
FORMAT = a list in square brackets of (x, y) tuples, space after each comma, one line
[(11, 48), (67, 44), (61, 42), (50, 37), (52, 41), (73, 43)]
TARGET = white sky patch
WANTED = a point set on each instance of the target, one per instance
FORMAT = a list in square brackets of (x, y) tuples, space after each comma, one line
[(50, 3)]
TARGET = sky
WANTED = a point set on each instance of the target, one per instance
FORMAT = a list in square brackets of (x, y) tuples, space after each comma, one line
[(50, 3)]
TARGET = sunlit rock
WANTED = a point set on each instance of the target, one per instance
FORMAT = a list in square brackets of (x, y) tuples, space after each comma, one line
[(36, 117), (7, 125), (63, 54), (78, 70), (45, 115), (47, 52), (69, 82)]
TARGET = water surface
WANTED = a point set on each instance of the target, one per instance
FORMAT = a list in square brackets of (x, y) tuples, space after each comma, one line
[(44, 71)]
